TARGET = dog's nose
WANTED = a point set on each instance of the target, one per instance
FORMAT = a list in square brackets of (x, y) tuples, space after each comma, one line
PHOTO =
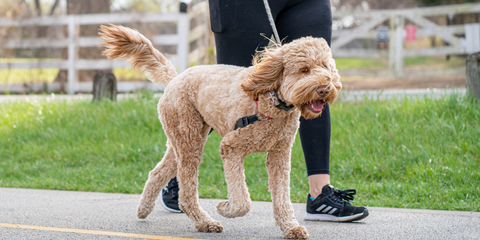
[(322, 90)]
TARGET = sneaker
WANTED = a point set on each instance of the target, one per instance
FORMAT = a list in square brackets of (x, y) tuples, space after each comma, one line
[(170, 196), (333, 205)]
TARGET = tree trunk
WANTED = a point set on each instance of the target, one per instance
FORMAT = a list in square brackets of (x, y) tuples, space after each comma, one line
[(85, 7), (473, 75), (104, 86)]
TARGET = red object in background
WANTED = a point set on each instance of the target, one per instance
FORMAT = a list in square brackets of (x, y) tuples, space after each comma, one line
[(411, 33)]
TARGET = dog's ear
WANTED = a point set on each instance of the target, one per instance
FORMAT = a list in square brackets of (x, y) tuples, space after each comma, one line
[(335, 75), (266, 74)]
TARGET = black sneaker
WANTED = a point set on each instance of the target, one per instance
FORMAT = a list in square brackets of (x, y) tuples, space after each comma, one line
[(170, 196), (333, 205)]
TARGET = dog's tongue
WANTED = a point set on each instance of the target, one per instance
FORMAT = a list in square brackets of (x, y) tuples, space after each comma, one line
[(318, 105)]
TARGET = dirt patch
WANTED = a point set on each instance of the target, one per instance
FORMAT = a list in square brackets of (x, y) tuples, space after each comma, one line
[(452, 81)]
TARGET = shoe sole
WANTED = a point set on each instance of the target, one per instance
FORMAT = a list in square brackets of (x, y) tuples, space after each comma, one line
[(170, 209), (331, 218)]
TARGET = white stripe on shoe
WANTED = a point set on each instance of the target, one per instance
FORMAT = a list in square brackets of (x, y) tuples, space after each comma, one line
[(332, 211), (321, 207), (326, 209)]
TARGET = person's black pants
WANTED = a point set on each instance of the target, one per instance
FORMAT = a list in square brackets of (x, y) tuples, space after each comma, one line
[(241, 28)]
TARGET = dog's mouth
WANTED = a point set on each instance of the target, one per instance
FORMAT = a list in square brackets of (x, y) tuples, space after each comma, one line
[(316, 106)]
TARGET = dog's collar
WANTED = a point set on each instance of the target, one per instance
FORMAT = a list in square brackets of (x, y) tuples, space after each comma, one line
[(277, 102)]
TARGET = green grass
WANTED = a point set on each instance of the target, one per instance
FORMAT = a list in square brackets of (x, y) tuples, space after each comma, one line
[(382, 64), (361, 63), (408, 154), (440, 61), (47, 75)]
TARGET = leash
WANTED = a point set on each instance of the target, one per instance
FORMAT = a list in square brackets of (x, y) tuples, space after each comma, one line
[(245, 121), (272, 23)]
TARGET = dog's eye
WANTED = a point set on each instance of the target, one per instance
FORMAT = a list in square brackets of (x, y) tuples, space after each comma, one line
[(304, 70), (324, 67)]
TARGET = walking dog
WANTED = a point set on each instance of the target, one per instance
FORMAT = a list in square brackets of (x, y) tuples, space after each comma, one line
[(254, 109)]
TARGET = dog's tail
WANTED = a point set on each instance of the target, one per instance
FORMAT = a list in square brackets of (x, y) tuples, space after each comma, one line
[(128, 44)]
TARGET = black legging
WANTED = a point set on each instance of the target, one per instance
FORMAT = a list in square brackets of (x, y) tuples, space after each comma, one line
[(238, 25)]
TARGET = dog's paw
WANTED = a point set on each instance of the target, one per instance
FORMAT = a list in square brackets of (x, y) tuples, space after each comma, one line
[(230, 210), (210, 226), (297, 232), (144, 209)]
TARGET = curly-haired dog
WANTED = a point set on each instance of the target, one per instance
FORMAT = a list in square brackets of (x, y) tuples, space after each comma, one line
[(297, 78)]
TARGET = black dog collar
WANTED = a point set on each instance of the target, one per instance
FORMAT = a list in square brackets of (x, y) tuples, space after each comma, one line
[(278, 102)]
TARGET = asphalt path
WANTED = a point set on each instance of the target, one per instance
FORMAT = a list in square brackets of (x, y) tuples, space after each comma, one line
[(51, 214)]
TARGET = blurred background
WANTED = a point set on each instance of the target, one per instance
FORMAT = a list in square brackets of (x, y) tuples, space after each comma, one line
[(53, 45)]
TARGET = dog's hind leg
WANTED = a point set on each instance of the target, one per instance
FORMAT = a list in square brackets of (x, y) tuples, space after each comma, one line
[(278, 167), (188, 199), (157, 179)]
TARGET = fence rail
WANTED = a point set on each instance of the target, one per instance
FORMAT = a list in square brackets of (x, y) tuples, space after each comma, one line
[(182, 39), (426, 28), (459, 39)]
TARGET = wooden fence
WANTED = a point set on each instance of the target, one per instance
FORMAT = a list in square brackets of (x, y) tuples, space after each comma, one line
[(182, 39), (419, 17), (460, 39)]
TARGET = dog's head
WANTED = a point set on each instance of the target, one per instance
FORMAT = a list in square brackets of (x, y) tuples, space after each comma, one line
[(303, 73)]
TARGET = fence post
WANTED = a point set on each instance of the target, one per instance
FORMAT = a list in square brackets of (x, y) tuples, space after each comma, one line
[(183, 29), (473, 75), (72, 54), (391, 44), (399, 37)]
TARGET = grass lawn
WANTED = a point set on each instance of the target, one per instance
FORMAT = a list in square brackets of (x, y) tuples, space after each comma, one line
[(47, 75), (406, 154), (38, 75)]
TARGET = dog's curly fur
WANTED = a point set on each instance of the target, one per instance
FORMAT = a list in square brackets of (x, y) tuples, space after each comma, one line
[(303, 74)]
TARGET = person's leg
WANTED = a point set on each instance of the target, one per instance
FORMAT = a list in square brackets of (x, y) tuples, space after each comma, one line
[(313, 18), (237, 38)]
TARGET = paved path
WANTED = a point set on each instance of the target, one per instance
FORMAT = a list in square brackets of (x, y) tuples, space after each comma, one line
[(47, 214), (345, 95)]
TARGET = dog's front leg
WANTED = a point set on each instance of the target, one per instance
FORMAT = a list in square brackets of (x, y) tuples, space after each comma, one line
[(239, 202), (278, 167), (189, 162)]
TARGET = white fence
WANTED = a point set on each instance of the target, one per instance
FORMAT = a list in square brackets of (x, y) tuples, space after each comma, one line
[(182, 39), (365, 29), (396, 53)]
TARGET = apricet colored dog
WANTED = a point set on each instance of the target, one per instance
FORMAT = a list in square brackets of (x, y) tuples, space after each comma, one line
[(300, 75)]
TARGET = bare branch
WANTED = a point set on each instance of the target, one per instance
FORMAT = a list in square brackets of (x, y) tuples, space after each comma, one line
[(38, 8), (29, 10), (52, 10)]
